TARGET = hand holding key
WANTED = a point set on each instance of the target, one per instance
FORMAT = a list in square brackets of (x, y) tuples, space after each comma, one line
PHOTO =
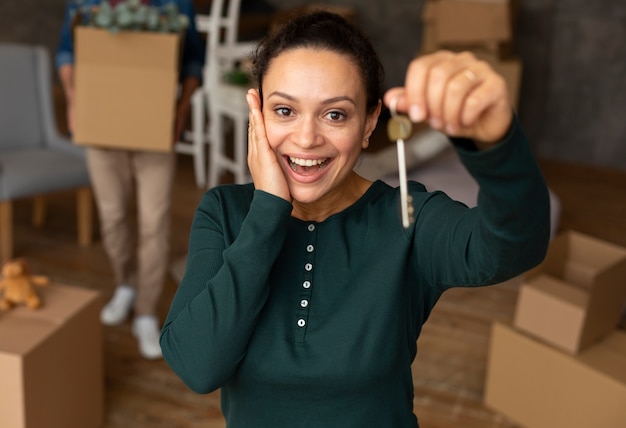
[(456, 94)]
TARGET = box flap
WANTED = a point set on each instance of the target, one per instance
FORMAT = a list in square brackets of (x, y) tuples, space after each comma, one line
[(593, 252), (561, 290), (126, 48), (553, 311)]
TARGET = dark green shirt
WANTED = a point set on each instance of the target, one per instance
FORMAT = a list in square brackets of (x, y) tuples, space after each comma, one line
[(306, 324)]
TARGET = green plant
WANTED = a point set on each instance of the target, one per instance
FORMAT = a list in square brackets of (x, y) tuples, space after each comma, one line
[(132, 15)]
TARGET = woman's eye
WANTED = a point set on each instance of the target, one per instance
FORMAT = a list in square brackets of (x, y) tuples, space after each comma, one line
[(283, 111), (335, 116)]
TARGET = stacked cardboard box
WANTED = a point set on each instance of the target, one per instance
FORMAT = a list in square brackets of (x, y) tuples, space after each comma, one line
[(563, 360), (483, 27), (51, 362), (125, 89)]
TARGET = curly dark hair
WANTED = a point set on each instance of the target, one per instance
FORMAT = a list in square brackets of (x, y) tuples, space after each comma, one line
[(323, 30)]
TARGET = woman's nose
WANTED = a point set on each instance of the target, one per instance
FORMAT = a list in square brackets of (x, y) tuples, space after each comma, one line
[(306, 134)]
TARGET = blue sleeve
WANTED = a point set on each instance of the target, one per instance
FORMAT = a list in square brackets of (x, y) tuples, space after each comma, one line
[(193, 47), (65, 50)]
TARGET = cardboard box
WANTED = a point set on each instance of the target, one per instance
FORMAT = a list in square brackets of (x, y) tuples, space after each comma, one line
[(125, 89), (466, 23), (575, 297), (538, 386), (51, 363), (281, 16)]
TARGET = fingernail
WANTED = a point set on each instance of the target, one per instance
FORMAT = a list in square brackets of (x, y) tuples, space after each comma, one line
[(415, 113), (435, 123), (450, 129)]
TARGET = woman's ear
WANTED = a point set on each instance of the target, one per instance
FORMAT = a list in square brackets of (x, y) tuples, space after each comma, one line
[(370, 124)]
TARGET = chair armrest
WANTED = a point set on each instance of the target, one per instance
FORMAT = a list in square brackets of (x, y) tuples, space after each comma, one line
[(67, 146)]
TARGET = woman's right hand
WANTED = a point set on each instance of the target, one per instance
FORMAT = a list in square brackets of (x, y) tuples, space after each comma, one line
[(265, 169)]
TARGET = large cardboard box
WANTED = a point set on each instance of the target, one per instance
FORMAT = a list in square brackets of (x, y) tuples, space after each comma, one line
[(539, 386), (465, 23), (471, 21), (575, 297), (51, 366), (125, 88)]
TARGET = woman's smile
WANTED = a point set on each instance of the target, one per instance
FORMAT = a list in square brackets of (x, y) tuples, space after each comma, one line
[(307, 166)]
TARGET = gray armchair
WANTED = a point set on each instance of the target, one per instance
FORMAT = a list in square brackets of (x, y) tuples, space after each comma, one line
[(34, 159)]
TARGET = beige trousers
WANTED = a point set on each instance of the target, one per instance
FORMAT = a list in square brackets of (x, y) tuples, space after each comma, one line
[(138, 260)]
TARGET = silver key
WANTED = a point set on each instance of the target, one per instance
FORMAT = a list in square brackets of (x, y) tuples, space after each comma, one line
[(399, 128)]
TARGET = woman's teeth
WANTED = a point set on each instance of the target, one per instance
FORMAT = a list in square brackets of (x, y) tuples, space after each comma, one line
[(297, 162)]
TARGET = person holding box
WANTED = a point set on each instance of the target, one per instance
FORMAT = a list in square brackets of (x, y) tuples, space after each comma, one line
[(139, 270)]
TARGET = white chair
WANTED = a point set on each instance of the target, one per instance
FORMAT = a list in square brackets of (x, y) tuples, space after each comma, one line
[(217, 100), (226, 101), (194, 142)]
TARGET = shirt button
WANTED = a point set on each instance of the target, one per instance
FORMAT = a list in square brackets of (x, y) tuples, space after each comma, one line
[(311, 227), (304, 303), (306, 284), (308, 267), (310, 248), (301, 322)]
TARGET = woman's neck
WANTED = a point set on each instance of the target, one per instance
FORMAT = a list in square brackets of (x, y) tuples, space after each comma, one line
[(337, 201)]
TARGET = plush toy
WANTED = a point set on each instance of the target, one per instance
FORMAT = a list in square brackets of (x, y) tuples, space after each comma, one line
[(17, 285)]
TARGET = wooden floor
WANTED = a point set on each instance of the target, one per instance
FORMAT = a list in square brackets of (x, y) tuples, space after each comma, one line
[(450, 368)]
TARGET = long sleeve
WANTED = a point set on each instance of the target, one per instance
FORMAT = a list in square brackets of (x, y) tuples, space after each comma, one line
[(65, 49), (193, 55), (507, 232), (216, 307)]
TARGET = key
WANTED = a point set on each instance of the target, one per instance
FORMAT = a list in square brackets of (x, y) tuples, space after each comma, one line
[(399, 128)]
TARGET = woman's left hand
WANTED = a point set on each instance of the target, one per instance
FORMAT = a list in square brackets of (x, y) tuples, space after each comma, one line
[(458, 95)]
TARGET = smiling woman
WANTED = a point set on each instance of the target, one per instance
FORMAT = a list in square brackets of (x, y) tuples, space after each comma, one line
[(304, 295), (323, 124)]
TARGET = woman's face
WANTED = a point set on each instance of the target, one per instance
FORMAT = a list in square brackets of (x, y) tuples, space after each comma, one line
[(316, 120)]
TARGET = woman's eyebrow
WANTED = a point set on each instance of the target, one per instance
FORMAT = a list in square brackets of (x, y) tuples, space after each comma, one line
[(282, 95), (338, 99), (325, 102)]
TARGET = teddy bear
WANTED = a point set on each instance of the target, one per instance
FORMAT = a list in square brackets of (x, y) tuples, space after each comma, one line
[(17, 285)]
